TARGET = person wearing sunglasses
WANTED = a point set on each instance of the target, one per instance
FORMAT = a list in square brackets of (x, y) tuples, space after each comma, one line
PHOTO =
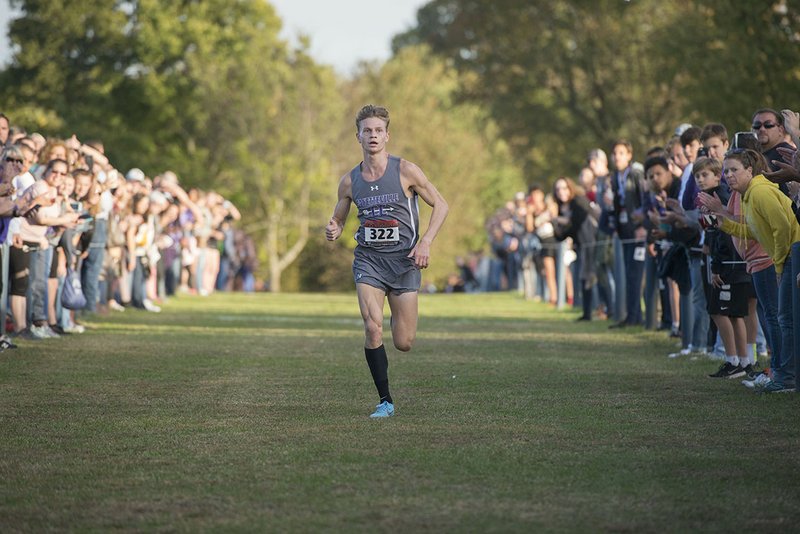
[(768, 126)]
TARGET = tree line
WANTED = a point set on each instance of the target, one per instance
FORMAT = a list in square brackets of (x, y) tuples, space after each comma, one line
[(486, 96)]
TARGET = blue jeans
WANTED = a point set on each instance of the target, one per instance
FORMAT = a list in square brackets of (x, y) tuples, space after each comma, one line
[(795, 272), (699, 326), (93, 264), (767, 293), (651, 292), (137, 284), (786, 290), (634, 272), (687, 319)]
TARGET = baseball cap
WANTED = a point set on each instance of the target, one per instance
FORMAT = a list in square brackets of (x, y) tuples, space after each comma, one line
[(682, 128), (157, 197), (135, 175)]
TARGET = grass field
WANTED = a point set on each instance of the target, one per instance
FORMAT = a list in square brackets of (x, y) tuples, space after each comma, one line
[(249, 413)]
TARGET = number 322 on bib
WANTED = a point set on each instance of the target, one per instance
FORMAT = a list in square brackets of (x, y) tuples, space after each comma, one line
[(386, 234)]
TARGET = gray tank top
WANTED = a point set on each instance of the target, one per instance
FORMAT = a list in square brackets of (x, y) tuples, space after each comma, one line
[(389, 220)]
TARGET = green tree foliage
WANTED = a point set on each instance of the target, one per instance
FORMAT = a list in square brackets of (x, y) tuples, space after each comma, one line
[(71, 57), (562, 77), (205, 88), (455, 144)]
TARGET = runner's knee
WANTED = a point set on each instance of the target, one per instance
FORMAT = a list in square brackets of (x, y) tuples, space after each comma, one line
[(374, 331), (403, 344)]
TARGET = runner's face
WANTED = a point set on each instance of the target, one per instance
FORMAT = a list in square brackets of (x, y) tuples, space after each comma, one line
[(373, 135)]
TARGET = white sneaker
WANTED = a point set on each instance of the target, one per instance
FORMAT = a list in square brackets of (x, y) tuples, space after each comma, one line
[(42, 332), (116, 306), (149, 306), (758, 382), (683, 352), (75, 329)]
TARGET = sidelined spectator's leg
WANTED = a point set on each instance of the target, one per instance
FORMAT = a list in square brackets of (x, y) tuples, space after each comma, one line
[(90, 276), (766, 288), (700, 317), (19, 271), (137, 285), (786, 363), (795, 274)]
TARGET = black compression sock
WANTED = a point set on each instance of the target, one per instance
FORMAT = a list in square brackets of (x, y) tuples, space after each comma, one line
[(379, 367)]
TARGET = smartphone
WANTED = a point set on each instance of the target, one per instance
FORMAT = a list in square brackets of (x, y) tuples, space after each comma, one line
[(85, 216), (745, 140), (702, 152)]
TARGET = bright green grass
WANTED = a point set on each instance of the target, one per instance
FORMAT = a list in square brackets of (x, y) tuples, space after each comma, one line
[(249, 412)]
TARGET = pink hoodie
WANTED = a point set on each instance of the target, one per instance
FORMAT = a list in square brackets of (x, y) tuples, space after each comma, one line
[(750, 250)]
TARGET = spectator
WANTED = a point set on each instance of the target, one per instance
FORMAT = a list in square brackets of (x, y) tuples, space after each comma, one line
[(4, 127), (540, 224), (685, 230), (770, 220), (604, 253), (664, 185), (578, 221), (627, 183), (731, 288)]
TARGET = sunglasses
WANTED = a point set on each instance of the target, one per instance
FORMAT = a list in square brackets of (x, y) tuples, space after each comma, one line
[(765, 125), (15, 160)]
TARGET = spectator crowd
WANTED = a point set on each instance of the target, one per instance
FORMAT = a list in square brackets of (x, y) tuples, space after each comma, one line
[(705, 233), (80, 237)]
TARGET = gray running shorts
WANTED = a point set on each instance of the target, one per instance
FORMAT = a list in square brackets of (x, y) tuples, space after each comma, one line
[(394, 273)]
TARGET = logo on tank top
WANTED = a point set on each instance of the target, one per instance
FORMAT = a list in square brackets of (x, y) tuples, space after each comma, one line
[(367, 202), (373, 188)]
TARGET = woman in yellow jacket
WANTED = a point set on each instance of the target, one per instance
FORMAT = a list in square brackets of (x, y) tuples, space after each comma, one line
[(768, 218)]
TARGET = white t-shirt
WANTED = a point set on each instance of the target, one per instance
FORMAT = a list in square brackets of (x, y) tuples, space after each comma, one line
[(21, 182)]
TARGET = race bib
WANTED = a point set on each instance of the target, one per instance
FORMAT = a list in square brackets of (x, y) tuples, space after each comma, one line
[(638, 253), (384, 234)]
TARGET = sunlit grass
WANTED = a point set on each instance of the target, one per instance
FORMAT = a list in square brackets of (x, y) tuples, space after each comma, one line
[(249, 412)]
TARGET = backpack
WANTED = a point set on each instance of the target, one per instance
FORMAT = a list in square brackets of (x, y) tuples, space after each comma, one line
[(72, 297)]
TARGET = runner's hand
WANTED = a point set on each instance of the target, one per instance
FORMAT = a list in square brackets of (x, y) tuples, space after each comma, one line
[(421, 254), (333, 230)]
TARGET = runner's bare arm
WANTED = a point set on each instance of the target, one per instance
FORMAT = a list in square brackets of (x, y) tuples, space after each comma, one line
[(413, 178), (334, 228)]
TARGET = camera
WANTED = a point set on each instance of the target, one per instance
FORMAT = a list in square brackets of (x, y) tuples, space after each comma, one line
[(702, 152), (745, 140)]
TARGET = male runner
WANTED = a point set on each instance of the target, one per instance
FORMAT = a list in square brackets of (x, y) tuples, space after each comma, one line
[(388, 257)]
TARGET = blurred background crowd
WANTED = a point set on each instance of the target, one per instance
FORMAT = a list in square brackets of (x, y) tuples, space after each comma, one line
[(701, 241), (67, 216)]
